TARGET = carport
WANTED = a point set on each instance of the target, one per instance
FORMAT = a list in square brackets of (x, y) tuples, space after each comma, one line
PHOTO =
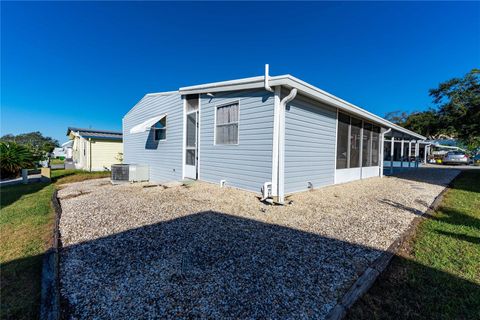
[(402, 151)]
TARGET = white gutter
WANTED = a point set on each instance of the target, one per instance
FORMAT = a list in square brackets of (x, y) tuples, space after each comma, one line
[(266, 79), (281, 145), (382, 150), (304, 88), (276, 120)]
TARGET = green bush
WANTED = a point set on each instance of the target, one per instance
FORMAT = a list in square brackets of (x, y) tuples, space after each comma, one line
[(13, 158)]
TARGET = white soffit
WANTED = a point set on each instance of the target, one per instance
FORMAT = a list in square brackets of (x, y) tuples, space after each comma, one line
[(146, 125)]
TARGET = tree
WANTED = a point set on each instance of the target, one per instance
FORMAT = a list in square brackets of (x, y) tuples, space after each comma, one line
[(398, 117), (458, 101), (426, 123), (14, 157), (456, 113), (33, 140)]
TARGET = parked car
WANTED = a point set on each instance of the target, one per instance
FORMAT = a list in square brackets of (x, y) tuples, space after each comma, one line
[(475, 160), (455, 157)]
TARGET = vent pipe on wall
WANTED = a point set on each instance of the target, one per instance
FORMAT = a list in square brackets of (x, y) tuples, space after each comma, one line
[(266, 78)]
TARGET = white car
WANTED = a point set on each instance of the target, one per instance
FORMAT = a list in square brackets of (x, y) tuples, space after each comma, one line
[(455, 157)]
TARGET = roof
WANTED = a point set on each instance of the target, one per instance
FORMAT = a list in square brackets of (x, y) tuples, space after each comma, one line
[(304, 88), (69, 143), (96, 134)]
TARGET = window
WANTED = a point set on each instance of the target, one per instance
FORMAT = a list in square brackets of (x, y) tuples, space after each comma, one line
[(160, 129), (355, 128), (342, 141), (227, 124)]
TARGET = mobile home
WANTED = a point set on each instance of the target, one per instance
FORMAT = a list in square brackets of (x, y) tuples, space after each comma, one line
[(95, 150), (278, 134)]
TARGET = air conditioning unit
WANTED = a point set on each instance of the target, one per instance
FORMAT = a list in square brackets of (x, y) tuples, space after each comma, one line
[(129, 173)]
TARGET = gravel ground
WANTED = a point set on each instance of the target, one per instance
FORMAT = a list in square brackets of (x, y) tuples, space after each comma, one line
[(200, 251)]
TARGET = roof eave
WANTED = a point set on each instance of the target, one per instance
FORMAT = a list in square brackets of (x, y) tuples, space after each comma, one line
[(304, 88)]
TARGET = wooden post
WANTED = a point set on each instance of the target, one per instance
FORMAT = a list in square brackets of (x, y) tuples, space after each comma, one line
[(46, 174)]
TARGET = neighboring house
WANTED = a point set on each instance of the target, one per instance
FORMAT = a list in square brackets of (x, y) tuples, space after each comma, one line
[(68, 149), (95, 150), (58, 153), (279, 132)]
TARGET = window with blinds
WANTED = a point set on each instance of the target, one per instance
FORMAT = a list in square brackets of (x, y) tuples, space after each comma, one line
[(227, 118)]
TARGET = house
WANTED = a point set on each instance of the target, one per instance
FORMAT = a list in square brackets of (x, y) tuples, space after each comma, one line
[(95, 150), (58, 153), (68, 149), (279, 134)]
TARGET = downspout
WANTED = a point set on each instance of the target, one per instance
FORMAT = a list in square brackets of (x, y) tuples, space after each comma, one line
[(383, 150), (281, 145), (266, 79), (90, 153)]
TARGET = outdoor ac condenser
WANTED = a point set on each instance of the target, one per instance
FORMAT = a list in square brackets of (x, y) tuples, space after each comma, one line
[(130, 173), (138, 172)]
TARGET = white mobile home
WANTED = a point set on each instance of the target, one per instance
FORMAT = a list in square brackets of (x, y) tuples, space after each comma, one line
[(277, 133)]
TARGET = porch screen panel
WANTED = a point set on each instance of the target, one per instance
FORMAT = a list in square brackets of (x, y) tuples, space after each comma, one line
[(375, 145), (191, 128), (355, 129), (342, 141), (367, 145)]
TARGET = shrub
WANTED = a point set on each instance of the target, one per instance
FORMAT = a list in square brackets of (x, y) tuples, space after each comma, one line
[(13, 158)]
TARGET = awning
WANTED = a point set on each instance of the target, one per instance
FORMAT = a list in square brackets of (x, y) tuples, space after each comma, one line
[(146, 125)]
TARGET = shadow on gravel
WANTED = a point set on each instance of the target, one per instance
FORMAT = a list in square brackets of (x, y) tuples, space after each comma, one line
[(402, 206), (214, 265)]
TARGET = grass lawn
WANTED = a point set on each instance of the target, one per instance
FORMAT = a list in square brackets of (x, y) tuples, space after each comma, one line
[(437, 275), (26, 221), (56, 161)]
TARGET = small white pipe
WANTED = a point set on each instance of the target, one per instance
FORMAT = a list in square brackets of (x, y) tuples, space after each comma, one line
[(281, 146), (266, 78), (266, 187)]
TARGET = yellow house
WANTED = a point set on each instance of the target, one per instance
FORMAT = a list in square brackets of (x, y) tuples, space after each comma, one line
[(95, 150)]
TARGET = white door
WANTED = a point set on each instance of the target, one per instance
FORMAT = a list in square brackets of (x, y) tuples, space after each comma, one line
[(191, 150)]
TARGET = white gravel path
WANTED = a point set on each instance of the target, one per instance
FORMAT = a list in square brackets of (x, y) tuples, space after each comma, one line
[(201, 251)]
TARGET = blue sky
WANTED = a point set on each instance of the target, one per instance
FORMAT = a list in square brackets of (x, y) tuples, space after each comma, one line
[(87, 64)]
